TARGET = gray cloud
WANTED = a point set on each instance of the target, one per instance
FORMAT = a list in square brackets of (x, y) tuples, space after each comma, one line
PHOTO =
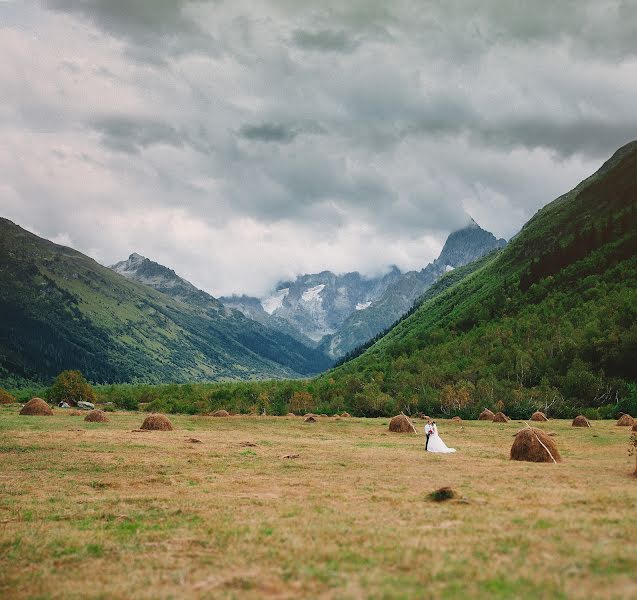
[(132, 135), (324, 41), (268, 132), (244, 142)]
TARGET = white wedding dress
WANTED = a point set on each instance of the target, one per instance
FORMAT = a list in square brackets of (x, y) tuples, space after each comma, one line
[(436, 444)]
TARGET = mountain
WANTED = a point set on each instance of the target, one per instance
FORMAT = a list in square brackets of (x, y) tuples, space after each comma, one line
[(461, 247), (61, 309), (549, 321), (252, 308), (317, 304)]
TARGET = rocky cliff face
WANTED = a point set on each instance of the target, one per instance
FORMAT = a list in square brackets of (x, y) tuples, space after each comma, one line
[(318, 304)]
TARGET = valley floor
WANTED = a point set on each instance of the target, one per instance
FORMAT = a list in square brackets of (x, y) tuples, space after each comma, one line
[(100, 511)]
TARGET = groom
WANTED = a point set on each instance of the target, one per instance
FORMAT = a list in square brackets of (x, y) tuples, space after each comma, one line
[(429, 429)]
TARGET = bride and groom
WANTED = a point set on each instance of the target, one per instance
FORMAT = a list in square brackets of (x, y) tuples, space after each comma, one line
[(433, 441)]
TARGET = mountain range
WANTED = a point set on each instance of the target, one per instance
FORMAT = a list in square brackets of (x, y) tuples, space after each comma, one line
[(338, 313)]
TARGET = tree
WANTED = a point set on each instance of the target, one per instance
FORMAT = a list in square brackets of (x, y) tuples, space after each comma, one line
[(71, 387)]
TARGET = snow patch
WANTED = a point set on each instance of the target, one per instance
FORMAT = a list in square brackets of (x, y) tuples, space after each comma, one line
[(271, 303), (448, 268), (363, 305), (312, 293)]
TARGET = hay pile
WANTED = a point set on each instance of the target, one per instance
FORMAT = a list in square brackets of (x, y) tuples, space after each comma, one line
[(534, 445), (36, 407), (310, 419), (401, 424), (221, 413), (457, 419), (6, 397), (580, 421), (291, 415), (625, 421), (157, 423), (96, 416), (346, 415), (500, 417), (538, 416), (486, 415)]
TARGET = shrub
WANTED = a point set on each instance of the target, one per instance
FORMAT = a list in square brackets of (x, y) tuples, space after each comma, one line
[(71, 387)]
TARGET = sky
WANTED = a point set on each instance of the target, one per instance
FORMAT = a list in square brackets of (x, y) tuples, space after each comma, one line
[(244, 142)]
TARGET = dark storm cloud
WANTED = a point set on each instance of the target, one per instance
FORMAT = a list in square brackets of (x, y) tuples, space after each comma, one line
[(244, 141), (324, 41), (132, 135), (268, 132)]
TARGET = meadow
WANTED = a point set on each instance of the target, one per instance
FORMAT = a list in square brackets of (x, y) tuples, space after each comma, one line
[(222, 508)]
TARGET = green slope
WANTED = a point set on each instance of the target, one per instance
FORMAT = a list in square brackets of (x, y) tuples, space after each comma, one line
[(60, 309), (552, 318)]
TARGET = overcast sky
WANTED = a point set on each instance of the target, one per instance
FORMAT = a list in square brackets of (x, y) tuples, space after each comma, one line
[(240, 142)]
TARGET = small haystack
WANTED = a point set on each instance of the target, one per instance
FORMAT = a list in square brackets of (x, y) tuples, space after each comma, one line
[(96, 416), (625, 421), (346, 415), (538, 416), (310, 419), (486, 415), (157, 423), (6, 397), (580, 421), (500, 417), (534, 445), (456, 419), (291, 415), (324, 415), (221, 413), (36, 407), (401, 424)]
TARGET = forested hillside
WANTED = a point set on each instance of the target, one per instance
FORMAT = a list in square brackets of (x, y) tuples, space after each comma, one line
[(61, 310), (549, 321)]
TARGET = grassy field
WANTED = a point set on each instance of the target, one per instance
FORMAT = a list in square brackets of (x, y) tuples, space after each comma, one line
[(101, 511)]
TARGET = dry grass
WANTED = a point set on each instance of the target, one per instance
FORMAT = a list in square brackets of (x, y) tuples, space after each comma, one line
[(157, 516)]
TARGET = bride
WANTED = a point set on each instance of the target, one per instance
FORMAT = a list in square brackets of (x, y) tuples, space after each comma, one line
[(435, 443)]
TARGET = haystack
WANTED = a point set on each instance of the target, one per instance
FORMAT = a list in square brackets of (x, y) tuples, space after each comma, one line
[(625, 421), (500, 417), (401, 424), (456, 419), (534, 445), (36, 407), (291, 415), (310, 419), (6, 397), (96, 416), (306, 415), (221, 413), (486, 415), (580, 421), (157, 423), (538, 416), (346, 415)]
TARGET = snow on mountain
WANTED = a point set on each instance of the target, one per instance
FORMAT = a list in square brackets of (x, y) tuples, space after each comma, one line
[(274, 301), (313, 293), (363, 305)]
